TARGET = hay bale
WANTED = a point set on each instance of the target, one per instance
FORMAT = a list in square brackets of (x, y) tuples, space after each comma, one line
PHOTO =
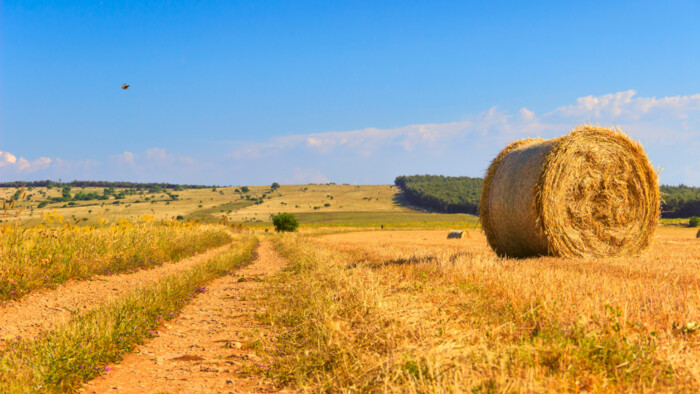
[(698, 234), (591, 193), (455, 234)]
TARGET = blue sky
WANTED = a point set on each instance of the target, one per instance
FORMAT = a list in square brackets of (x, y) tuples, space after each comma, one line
[(236, 92)]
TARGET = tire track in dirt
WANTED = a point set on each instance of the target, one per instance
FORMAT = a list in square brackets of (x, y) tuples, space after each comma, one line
[(203, 349), (45, 309)]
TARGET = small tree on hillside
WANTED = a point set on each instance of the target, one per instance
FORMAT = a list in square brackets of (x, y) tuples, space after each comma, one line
[(245, 189), (275, 186), (285, 222)]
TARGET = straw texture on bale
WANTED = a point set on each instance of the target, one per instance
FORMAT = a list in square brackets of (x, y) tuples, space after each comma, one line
[(591, 193)]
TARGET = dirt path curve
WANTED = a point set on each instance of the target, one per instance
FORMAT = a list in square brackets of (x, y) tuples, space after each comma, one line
[(204, 349), (45, 309)]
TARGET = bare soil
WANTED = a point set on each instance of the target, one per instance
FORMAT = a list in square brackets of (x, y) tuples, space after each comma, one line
[(45, 309), (206, 348)]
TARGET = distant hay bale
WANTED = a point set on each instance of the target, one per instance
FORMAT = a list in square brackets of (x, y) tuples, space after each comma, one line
[(457, 234), (591, 193)]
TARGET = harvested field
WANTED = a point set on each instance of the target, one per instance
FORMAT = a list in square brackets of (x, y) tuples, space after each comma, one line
[(355, 310), (413, 311)]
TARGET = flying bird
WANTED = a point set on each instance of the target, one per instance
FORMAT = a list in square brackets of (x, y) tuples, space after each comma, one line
[(125, 86)]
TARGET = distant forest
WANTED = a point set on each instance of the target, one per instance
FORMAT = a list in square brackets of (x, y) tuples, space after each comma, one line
[(128, 185), (680, 201), (442, 193), (462, 194)]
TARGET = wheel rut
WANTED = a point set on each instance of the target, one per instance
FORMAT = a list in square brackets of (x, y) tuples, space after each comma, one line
[(44, 310), (205, 349)]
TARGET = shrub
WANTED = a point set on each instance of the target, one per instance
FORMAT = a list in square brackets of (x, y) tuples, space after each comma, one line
[(285, 222), (694, 221), (275, 186)]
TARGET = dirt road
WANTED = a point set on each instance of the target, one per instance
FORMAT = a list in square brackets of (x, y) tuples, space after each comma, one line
[(206, 348), (45, 309)]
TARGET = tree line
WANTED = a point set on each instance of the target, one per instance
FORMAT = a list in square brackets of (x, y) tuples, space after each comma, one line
[(462, 194), (118, 184), (442, 193), (680, 201)]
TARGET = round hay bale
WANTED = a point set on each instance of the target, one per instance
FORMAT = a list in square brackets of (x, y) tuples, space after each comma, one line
[(457, 234), (591, 193)]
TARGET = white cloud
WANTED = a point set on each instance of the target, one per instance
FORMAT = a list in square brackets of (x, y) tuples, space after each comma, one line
[(526, 114), (156, 154), (300, 176), (669, 122), (626, 105), (7, 158), (668, 126), (314, 142), (158, 165), (22, 165), (124, 158), (41, 163), (150, 157), (186, 160), (363, 141), (635, 115)]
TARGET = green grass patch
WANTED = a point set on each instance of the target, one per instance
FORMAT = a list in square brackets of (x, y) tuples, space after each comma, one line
[(61, 360), (388, 219)]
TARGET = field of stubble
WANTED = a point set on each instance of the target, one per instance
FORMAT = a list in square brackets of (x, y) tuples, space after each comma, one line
[(414, 311)]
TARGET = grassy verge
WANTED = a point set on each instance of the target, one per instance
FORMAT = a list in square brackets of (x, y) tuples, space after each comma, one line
[(366, 322), (43, 256), (79, 351), (682, 222), (381, 219)]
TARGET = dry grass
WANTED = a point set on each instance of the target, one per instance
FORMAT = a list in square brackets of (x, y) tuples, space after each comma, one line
[(56, 251), (592, 193), (415, 312), (59, 361)]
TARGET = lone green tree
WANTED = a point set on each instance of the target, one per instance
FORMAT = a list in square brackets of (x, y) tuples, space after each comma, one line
[(275, 186), (285, 222), (694, 222)]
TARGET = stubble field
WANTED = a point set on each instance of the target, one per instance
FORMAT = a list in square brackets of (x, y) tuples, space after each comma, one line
[(414, 311), (370, 296)]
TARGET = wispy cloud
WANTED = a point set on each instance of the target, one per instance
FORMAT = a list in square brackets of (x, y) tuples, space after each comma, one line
[(668, 126), (7, 159), (300, 176), (11, 163), (659, 119), (626, 106)]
